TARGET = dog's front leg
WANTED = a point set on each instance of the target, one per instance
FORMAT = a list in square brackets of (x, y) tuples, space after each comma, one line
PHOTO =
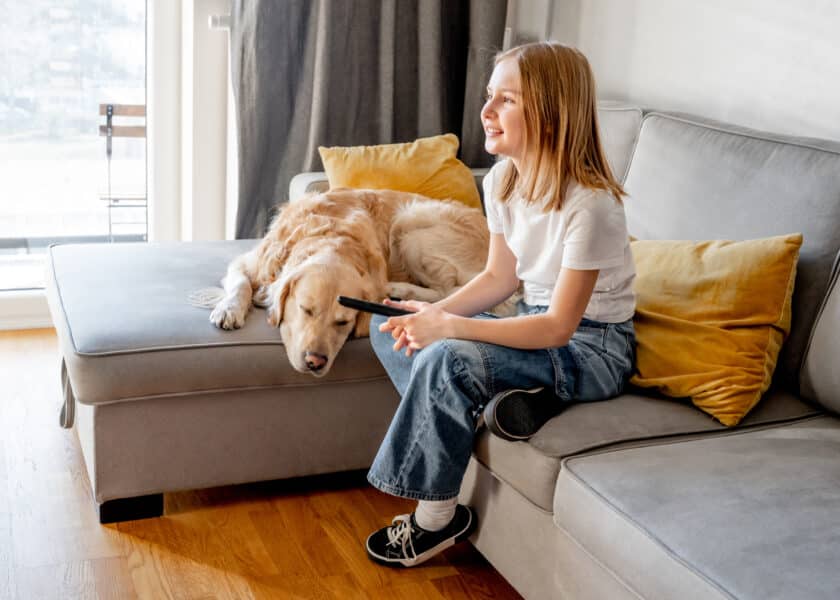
[(409, 291), (231, 311)]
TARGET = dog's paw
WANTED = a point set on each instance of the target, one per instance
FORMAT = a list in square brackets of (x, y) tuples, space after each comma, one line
[(261, 297), (227, 315), (508, 307), (399, 289), (409, 291)]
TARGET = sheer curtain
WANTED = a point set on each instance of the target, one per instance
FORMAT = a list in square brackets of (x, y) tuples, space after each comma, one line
[(308, 73)]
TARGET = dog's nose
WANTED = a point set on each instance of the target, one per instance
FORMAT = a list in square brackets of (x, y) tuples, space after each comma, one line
[(314, 361)]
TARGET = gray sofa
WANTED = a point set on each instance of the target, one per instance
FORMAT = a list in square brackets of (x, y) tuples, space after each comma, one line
[(636, 497)]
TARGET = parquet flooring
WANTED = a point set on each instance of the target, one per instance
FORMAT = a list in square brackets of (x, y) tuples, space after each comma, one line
[(293, 539)]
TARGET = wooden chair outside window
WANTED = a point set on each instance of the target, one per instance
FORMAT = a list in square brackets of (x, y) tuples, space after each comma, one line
[(123, 201)]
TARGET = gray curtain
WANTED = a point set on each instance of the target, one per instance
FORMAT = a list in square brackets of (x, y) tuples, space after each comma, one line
[(309, 73)]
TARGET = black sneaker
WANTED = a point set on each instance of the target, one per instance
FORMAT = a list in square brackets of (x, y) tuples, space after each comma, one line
[(405, 544), (516, 415)]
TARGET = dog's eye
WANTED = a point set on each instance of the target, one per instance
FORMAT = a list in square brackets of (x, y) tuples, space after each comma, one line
[(342, 323), (306, 311)]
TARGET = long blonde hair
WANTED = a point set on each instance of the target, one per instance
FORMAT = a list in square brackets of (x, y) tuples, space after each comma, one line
[(561, 134)]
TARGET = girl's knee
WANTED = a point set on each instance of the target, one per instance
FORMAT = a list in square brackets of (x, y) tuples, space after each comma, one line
[(449, 355)]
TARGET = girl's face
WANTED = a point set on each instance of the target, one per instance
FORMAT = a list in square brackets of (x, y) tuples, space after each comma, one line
[(503, 116)]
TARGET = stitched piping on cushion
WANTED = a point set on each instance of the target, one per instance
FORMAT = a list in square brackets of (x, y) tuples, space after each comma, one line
[(669, 551), (832, 288), (754, 134), (178, 347), (686, 437), (234, 389)]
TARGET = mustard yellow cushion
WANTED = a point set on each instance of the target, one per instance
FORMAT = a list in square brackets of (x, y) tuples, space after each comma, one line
[(425, 166), (711, 318)]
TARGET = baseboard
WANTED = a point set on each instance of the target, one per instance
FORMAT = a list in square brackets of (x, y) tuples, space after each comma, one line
[(24, 309)]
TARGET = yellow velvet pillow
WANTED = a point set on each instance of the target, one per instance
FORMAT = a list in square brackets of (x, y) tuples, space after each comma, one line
[(425, 166), (711, 318)]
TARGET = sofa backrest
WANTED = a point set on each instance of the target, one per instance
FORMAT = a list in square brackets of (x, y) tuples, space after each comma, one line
[(619, 127), (696, 179)]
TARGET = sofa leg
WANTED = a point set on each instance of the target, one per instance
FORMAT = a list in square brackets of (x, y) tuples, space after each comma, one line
[(129, 509)]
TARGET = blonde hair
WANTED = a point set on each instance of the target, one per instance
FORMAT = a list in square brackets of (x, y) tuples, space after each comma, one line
[(561, 126)]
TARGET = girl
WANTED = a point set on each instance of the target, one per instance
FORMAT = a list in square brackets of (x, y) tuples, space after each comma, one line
[(557, 224)]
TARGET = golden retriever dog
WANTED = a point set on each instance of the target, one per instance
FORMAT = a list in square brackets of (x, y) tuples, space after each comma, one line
[(367, 244)]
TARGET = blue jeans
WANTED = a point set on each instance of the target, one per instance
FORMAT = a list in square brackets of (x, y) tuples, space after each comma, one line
[(445, 386)]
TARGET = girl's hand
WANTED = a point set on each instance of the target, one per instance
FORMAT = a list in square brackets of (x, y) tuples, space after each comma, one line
[(413, 332), (396, 330)]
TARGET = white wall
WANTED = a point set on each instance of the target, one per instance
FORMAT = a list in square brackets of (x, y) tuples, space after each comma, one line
[(768, 64)]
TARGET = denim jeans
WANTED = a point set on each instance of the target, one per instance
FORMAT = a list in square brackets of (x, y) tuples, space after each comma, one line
[(445, 386)]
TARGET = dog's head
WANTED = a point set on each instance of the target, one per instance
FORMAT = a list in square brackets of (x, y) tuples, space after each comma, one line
[(313, 325)]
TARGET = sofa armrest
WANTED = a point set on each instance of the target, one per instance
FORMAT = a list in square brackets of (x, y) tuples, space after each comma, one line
[(819, 377), (306, 183), (316, 181)]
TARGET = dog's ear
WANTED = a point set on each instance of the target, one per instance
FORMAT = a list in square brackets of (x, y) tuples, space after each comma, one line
[(280, 241), (279, 290), (362, 327)]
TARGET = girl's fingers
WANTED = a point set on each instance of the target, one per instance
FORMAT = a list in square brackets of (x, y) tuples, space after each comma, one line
[(412, 305), (401, 342)]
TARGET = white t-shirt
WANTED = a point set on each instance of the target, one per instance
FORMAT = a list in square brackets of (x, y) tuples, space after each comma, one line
[(588, 232)]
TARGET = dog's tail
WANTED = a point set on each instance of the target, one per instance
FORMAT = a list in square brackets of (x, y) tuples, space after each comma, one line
[(206, 297)]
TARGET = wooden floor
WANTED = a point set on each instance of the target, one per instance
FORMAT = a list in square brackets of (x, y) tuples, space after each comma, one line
[(300, 539)]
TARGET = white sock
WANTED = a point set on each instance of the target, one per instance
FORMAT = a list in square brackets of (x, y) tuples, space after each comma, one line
[(434, 515)]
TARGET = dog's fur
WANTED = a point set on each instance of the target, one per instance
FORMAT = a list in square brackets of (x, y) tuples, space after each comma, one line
[(363, 243)]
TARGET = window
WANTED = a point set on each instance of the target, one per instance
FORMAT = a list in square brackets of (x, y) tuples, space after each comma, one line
[(61, 60)]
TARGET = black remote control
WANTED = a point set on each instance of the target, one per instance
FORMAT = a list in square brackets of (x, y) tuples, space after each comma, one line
[(372, 307)]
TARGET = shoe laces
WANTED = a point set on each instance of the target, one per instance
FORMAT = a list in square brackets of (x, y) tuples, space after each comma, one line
[(399, 534)]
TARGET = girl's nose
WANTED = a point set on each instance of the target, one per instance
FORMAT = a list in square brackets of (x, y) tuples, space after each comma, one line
[(487, 109)]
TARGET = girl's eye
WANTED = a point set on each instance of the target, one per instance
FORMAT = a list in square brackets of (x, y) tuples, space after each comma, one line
[(508, 100), (341, 323), (487, 97)]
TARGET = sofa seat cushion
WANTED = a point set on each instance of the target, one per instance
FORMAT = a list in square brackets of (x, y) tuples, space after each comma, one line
[(128, 331), (748, 515), (632, 419)]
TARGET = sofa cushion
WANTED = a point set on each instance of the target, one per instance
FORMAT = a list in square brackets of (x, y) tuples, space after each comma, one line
[(123, 313), (315, 182), (711, 317), (751, 515), (820, 376), (687, 174), (426, 166), (631, 419)]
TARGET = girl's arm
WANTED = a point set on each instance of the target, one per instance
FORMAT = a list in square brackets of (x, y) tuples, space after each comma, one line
[(551, 329), (492, 286)]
